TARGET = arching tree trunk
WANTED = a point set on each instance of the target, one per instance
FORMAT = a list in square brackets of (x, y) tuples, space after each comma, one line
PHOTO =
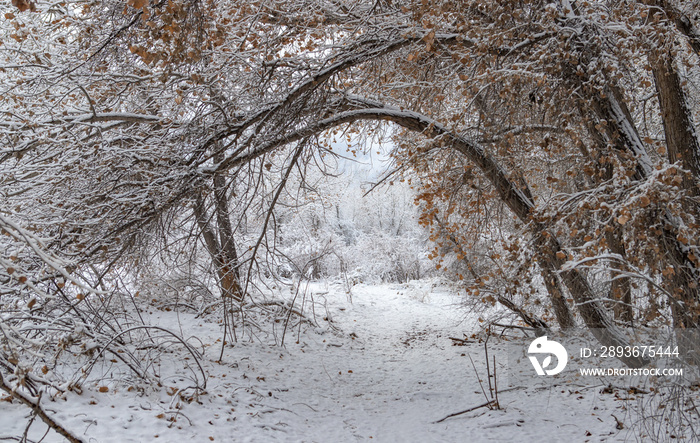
[(589, 306)]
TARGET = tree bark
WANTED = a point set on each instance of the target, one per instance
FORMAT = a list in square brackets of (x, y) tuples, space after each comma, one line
[(682, 145), (230, 271)]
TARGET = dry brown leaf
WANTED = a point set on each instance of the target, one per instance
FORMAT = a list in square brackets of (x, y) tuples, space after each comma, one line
[(23, 5), (138, 4)]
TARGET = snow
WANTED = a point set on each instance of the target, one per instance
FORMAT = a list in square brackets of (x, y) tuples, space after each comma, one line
[(382, 369)]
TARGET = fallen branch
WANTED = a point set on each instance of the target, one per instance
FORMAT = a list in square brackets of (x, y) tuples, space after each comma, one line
[(39, 411), (460, 340), (284, 305), (522, 328), (530, 319), (488, 404)]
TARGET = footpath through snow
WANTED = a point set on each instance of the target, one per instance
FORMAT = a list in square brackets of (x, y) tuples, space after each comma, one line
[(385, 372)]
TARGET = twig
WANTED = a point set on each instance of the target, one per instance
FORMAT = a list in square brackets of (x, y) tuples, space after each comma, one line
[(495, 383), (478, 379), (29, 424), (532, 320), (187, 346), (486, 352), (619, 424), (305, 405), (487, 404)]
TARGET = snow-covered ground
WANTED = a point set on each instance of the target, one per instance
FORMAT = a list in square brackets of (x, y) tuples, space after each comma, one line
[(382, 369)]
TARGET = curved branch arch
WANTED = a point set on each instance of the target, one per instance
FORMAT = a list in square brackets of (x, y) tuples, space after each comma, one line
[(519, 201)]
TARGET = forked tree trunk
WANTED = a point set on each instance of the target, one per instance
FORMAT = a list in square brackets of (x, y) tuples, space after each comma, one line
[(226, 269)]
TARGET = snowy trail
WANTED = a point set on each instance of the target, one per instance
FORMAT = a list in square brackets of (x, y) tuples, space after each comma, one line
[(398, 363), (386, 374), (398, 376), (386, 384)]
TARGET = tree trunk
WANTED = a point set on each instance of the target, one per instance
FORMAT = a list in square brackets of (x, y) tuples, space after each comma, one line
[(681, 140), (682, 146), (683, 279), (228, 281), (556, 296), (230, 274), (620, 287)]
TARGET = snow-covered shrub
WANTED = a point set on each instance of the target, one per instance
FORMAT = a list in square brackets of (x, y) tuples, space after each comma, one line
[(64, 324), (369, 237)]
